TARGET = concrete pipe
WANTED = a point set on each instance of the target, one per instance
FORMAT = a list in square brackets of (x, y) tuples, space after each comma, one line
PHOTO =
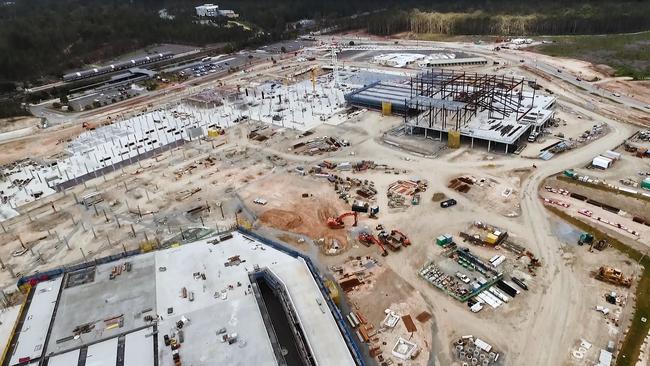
[(460, 341), (486, 362), (465, 364), (481, 357), (493, 355), (476, 353), (462, 355), (474, 361), (459, 349)]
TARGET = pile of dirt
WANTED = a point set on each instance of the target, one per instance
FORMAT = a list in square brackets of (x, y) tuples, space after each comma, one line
[(281, 219), (438, 196)]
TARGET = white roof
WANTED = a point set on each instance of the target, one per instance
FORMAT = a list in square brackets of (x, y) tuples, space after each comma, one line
[(605, 358), (102, 354), (64, 359), (601, 161), (239, 312), (31, 341), (138, 348)]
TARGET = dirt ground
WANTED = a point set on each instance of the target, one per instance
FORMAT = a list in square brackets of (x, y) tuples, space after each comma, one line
[(17, 123), (288, 210), (154, 200)]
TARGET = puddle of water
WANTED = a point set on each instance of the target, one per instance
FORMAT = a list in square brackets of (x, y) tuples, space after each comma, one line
[(565, 232)]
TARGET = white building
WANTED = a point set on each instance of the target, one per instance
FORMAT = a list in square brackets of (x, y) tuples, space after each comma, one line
[(207, 10), (211, 10)]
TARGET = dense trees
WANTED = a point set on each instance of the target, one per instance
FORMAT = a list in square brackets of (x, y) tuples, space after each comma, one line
[(47, 37), (509, 17)]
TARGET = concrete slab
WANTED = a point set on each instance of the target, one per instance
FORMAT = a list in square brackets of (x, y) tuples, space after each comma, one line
[(8, 318), (127, 295)]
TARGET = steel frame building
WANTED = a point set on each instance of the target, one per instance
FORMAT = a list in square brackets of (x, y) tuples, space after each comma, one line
[(451, 99)]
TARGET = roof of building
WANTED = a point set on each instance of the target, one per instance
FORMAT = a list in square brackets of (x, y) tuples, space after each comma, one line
[(115, 303)]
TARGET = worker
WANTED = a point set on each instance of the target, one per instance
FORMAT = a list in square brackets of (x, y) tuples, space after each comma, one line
[(534, 166)]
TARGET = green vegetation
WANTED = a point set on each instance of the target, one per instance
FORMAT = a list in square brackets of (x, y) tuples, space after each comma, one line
[(628, 54), (514, 18), (631, 347)]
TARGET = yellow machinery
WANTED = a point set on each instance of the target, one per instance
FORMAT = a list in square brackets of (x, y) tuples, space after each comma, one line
[(333, 291), (313, 79), (613, 276), (386, 108), (454, 139), (213, 133)]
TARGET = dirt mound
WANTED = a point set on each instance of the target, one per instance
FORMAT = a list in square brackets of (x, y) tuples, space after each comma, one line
[(281, 219), (438, 196)]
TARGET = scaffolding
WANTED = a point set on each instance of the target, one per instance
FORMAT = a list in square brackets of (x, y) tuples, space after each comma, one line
[(448, 99)]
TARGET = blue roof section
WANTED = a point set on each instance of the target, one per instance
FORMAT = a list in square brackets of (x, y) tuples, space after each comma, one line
[(373, 95)]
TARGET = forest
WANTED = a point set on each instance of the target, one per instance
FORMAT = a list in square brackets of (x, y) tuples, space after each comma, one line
[(40, 38)]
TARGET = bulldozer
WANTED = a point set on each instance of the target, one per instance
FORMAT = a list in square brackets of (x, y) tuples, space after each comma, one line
[(613, 276), (369, 239), (337, 222)]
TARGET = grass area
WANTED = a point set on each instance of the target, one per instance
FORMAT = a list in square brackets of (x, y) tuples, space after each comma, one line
[(633, 341), (628, 54), (601, 187)]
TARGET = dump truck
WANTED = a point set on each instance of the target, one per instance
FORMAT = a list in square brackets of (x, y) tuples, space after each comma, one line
[(613, 276)]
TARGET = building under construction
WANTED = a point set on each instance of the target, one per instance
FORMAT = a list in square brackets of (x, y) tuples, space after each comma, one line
[(496, 110)]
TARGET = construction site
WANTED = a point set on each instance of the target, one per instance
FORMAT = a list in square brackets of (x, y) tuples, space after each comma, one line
[(308, 211)]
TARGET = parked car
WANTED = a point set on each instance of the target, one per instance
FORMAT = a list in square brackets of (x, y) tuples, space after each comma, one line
[(448, 203)]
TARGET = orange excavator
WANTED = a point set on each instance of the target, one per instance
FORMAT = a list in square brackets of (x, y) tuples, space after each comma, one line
[(400, 237), (337, 222), (370, 239)]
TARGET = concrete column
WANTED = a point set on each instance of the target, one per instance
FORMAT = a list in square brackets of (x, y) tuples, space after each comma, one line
[(506, 148), (489, 143), (472, 146), (425, 133)]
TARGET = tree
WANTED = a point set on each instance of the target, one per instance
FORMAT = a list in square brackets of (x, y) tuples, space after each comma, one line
[(283, 49), (351, 43), (96, 104), (64, 99)]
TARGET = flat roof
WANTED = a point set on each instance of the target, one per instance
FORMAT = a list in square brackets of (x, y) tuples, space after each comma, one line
[(8, 318), (226, 288), (103, 299), (153, 285), (31, 341), (138, 348), (65, 359), (103, 353)]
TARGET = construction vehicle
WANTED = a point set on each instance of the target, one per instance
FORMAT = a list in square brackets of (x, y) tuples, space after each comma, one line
[(613, 276), (337, 222), (600, 245), (415, 200), (389, 240), (368, 239), (400, 237), (585, 238), (88, 126), (374, 210)]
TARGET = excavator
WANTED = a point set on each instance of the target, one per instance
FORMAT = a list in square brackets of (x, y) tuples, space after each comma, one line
[(337, 222), (370, 239), (400, 237)]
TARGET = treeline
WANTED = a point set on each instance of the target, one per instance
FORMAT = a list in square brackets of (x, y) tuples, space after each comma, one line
[(554, 18), (40, 38)]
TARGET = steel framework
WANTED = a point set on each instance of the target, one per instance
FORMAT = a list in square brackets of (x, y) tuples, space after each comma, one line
[(447, 98)]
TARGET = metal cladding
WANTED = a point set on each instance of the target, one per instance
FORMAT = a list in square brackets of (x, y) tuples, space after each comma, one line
[(123, 65)]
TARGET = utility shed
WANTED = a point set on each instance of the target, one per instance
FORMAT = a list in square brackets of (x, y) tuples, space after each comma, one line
[(602, 162)]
